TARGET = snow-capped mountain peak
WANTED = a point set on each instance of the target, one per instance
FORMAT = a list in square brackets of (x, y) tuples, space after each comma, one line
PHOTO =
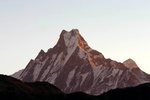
[(72, 66), (70, 38), (73, 38)]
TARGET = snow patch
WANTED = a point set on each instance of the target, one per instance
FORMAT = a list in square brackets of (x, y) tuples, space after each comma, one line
[(70, 76), (82, 54), (48, 68), (117, 79), (72, 45), (37, 69), (52, 78), (97, 71), (69, 38), (84, 76), (114, 72), (17, 74), (26, 70), (59, 59)]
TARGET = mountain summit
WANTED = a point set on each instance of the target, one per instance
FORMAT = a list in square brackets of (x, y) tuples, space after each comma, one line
[(73, 39), (73, 66), (129, 63)]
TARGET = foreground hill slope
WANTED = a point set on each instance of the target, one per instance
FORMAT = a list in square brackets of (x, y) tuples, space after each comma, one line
[(13, 89)]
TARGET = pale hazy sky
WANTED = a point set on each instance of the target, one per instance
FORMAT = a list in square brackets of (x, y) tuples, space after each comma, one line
[(120, 29)]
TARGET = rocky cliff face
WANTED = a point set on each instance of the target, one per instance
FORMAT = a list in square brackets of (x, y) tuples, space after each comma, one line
[(73, 66)]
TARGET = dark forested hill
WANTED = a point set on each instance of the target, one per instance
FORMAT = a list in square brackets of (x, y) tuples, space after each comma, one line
[(14, 89)]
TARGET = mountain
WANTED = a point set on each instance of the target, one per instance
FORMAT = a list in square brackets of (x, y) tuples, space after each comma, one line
[(18, 73), (73, 66), (129, 63), (13, 89)]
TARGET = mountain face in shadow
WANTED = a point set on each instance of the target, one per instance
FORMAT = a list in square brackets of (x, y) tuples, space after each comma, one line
[(72, 65), (14, 89)]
